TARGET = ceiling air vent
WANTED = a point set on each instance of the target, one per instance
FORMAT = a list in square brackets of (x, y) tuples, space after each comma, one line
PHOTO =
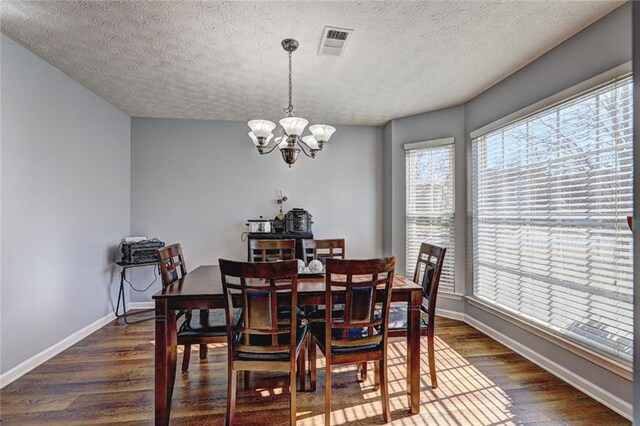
[(334, 40)]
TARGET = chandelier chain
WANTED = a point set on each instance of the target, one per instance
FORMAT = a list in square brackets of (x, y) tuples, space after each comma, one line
[(289, 110)]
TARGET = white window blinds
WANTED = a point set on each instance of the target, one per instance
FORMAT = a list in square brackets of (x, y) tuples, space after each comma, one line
[(430, 203), (551, 193)]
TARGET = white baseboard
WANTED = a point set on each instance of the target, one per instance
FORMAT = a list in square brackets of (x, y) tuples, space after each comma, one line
[(460, 316), (618, 405), (141, 305), (42, 357)]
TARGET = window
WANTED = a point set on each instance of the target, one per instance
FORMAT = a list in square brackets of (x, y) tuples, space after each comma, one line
[(430, 203), (551, 193)]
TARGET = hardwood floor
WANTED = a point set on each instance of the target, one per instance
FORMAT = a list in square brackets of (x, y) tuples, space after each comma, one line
[(108, 378)]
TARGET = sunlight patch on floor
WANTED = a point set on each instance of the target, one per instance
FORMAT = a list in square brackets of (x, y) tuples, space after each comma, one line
[(465, 396), (269, 392)]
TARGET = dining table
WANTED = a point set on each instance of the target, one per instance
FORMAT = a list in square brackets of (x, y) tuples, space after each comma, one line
[(202, 289)]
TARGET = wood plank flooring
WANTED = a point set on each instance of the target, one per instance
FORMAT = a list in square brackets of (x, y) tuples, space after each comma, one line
[(108, 378)]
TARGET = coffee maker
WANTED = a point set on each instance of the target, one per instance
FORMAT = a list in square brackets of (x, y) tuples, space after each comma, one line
[(298, 221)]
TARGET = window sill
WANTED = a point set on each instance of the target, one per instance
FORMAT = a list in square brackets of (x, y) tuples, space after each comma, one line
[(452, 296), (601, 360)]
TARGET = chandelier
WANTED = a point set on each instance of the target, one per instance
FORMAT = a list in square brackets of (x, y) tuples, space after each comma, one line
[(291, 142)]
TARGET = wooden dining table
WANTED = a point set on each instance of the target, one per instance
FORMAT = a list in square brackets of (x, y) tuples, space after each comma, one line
[(202, 289)]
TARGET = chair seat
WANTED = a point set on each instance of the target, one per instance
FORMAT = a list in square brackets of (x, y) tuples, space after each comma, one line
[(318, 330), (398, 316), (265, 340), (212, 323)]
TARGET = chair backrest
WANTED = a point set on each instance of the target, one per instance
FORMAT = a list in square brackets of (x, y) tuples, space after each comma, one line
[(261, 287), (172, 264), (264, 250), (319, 249), (367, 286), (427, 274)]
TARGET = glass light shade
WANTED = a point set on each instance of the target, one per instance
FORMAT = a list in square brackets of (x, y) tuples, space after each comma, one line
[(261, 128), (322, 132), (294, 126), (255, 139), (311, 142)]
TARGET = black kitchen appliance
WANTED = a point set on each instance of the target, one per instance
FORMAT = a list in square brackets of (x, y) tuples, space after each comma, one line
[(298, 221), (140, 251)]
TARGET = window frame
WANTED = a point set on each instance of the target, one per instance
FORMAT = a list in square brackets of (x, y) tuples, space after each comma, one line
[(448, 142), (608, 362)]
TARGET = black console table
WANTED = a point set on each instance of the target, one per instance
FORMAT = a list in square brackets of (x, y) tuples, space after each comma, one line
[(281, 236), (123, 278)]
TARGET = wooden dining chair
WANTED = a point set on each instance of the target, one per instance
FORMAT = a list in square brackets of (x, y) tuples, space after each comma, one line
[(260, 340), (199, 327), (427, 273), (265, 250), (322, 249), (355, 332)]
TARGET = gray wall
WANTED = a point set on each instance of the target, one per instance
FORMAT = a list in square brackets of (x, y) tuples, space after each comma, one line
[(387, 186), (600, 47), (217, 180), (433, 125), (66, 199)]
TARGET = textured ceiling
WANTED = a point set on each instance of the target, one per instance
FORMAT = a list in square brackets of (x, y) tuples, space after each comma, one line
[(223, 60)]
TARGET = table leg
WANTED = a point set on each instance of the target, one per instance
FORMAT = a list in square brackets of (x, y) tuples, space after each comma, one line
[(413, 354), (172, 342), (409, 350), (165, 361)]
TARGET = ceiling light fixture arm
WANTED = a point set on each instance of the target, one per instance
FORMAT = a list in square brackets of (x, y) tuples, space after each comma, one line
[(312, 152), (263, 150)]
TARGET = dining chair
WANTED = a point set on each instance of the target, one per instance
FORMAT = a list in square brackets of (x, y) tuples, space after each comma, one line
[(427, 273), (260, 339), (198, 328), (355, 331), (264, 250), (322, 249)]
